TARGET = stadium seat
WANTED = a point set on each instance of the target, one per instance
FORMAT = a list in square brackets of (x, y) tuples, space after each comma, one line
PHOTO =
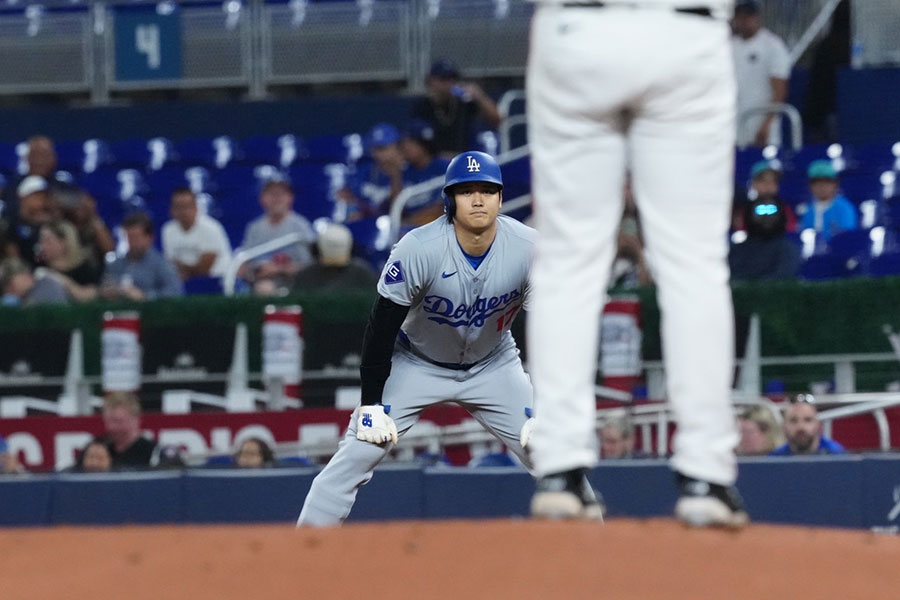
[(824, 266), (83, 156), (216, 152), (885, 264), (203, 285), (9, 160), (149, 154), (282, 150), (345, 149), (494, 459)]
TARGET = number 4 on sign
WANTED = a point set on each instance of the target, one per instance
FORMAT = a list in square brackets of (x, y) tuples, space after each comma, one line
[(146, 41)]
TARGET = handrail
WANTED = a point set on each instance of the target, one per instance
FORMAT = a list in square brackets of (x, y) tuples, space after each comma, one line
[(507, 121), (435, 183), (243, 255), (789, 110), (876, 407), (816, 27)]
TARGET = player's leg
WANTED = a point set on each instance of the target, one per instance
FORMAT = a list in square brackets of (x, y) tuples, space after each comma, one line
[(578, 160), (498, 397), (682, 144), (409, 390)]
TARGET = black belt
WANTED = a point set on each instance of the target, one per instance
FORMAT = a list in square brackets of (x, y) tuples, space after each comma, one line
[(700, 11), (404, 341)]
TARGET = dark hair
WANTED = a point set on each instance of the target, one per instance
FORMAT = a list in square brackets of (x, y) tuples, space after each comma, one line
[(273, 183), (97, 441), (139, 219), (268, 455), (184, 190)]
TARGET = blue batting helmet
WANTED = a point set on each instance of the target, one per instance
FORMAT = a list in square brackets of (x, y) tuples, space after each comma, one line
[(465, 167)]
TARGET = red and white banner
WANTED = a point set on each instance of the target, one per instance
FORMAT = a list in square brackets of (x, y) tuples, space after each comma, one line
[(48, 443), (121, 347), (282, 352)]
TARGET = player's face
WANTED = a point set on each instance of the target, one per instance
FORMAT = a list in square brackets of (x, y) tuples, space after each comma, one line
[(477, 205), (801, 427)]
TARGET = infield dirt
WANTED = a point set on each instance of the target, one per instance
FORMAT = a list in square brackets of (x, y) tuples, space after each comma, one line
[(459, 560)]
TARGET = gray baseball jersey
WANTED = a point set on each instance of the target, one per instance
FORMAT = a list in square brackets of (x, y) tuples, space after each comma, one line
[(454, 346), (458, 315)]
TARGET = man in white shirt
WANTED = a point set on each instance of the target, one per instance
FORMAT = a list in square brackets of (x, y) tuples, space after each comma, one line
[(762, 67), (196, 244)]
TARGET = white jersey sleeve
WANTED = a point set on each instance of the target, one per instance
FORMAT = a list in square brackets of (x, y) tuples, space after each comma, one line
[(406, 273), (779, 58)]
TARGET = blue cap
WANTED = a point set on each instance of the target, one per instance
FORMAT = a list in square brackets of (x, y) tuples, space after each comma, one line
[(419, 130), (821, 169), (383, 134), (762, 166), (444, 69)]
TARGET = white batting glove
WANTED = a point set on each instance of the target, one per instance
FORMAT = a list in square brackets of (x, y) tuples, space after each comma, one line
[(525, 433), (375, 426)]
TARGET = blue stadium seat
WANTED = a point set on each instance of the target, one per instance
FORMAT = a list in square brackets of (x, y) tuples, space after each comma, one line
[(282, 150), (886, 264), (824, 266), (150, 154), (83, 156), (203, 285), (9, 160), (335, 148), (494, 459), (216, 152), (851, 244), (880, 156)]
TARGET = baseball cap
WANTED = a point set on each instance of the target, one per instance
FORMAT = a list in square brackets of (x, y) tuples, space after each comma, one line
[(821, 169), (335, 244), (31, 185), (383, 134), (750, 7), (762, 166), (419, 130), (444, 69)]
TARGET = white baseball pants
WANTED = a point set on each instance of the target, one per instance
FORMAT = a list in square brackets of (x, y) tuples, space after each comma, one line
[(649, 90)]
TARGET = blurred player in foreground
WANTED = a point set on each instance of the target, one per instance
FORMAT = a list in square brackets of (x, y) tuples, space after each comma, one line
[(645, 85)]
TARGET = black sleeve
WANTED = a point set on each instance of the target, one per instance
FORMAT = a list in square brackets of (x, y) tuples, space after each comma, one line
[(378, 346)]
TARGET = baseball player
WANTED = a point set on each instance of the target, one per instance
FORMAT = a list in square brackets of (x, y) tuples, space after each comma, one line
[(440, 332), (646, 85)]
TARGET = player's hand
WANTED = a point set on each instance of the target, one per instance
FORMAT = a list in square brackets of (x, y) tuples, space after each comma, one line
[(525, 433), (375, 426)]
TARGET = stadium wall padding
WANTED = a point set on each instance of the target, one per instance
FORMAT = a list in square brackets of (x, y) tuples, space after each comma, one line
[(854, 491)]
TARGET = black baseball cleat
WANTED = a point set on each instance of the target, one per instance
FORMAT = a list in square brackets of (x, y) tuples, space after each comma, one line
[(567, 495), (704, 504)]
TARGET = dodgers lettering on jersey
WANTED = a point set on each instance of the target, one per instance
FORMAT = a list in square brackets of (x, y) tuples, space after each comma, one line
[(458, 314)]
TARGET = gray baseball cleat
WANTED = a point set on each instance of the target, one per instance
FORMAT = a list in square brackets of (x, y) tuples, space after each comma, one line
[(704, 504), (567, 495)]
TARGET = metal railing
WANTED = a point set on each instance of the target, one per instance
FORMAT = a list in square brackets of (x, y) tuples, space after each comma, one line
[(244, 255), (788, 110)]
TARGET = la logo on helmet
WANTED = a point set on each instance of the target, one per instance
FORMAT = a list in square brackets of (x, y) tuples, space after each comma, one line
[(473, 165)]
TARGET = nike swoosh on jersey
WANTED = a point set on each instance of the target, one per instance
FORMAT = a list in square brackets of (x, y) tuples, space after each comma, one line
[(446, 275)]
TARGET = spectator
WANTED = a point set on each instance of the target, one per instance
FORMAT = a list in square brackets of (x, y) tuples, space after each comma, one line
[(41, 161), (33, 211), (9, 463), (66, 261), (417, 146), (371, 189), (273, 271), (629, 269), (196, 244), (21, 287), (451, 107), (765, 180), (762, 68), (617, 439), (335, 269), (254, 453), (760, 432), (829, 212), (143, 273), (765, 253), (803, 430), (95, 457), (128, 448), (80, 209)]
